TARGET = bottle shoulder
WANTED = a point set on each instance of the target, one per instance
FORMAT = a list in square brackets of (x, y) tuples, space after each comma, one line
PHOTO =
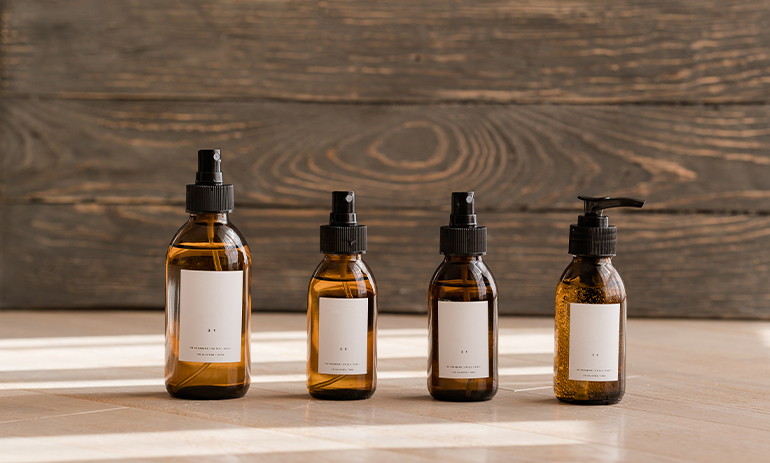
[(203, 235), (469, 273), (591, 279), (343, 270), (342, 278)]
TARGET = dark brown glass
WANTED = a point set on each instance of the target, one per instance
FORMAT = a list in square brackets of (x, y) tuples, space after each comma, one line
[(343, 276), (206, 242), (462, 278), (588, 280)]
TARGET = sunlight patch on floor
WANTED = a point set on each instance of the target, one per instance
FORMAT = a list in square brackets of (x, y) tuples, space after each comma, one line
[(244, 441), (89, 352)]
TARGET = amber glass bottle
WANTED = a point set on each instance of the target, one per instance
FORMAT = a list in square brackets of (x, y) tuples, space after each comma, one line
[(342, 310), (590, 329), (208, 294), (462, 312)]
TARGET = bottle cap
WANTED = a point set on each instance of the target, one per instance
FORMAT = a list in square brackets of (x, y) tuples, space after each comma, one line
[(593, 236), (209, 194), (463, 237), (343, 235)]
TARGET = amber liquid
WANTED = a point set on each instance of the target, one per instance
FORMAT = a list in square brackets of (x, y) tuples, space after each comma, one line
[(462, 278), (588, 281), (206, 242), (342, 276)]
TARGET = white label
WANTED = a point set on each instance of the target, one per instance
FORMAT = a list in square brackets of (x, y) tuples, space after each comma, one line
[(210, 316), (594, 342), (342, 335), (463, 339)]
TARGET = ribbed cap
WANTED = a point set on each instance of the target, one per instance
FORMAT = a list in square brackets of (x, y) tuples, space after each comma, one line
[(343, 235), (592, 241), (463, 241), (210, 198), (209, 194), (343, 240), (463, 237)]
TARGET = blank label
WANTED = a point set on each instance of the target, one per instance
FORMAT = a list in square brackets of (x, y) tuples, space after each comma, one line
[(594, 340), (210, 316), (463, 339), (342, 335)]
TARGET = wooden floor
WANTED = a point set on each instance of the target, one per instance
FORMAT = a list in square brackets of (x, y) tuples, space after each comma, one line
[(87, 386)]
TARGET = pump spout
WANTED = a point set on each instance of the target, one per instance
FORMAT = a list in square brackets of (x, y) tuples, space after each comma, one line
[(596, 206)]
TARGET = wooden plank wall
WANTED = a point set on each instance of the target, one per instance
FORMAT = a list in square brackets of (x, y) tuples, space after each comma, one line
[(104, 105)]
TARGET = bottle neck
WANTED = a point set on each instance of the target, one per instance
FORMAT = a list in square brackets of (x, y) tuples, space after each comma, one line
[(461, 259), (214, 217), (343, 257), (592, 260)]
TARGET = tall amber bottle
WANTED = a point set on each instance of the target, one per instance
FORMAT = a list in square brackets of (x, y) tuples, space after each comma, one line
[(208, 294), (342, 310), (462, 311), (590, 332)]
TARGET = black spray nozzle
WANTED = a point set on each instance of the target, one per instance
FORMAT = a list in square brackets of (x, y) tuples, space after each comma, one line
[(343, 209), (343, 235), (463, 209), (593, 236), (463, 237), (209, 168), (209, 194)]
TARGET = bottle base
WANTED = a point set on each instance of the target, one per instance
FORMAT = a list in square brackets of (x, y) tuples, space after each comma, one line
[(210, 392), (606, 401), (341, 394), (461, 396)]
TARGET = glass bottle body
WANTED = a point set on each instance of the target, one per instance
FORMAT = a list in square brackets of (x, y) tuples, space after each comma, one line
[(588, 280), (208, 243), (341, 276), (462, 279)]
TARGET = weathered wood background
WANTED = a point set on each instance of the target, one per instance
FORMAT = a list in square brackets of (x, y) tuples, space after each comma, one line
[(104, 105)]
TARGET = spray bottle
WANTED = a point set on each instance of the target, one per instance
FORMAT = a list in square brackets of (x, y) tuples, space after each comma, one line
[(208, 294), (342, 310), (462, 311)]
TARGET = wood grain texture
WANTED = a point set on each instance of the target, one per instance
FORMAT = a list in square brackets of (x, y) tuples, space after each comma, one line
[(674, 265), (504, 51), (277, 154)]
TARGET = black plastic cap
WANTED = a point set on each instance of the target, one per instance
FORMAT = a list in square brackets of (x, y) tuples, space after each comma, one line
[(592, 241), (593, 236), (343, 235), (208, 194), (463, 237)]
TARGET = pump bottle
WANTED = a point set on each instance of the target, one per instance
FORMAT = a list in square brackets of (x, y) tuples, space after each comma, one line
[(208, 294), (590, 331), (342, 310), (462, 311)]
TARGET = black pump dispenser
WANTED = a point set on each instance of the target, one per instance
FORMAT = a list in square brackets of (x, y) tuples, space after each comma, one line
[(343, 235), (593, 236), (463, 236), (209, 194)]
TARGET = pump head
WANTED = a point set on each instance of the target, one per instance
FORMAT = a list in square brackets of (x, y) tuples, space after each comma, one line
[(593, 236)]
